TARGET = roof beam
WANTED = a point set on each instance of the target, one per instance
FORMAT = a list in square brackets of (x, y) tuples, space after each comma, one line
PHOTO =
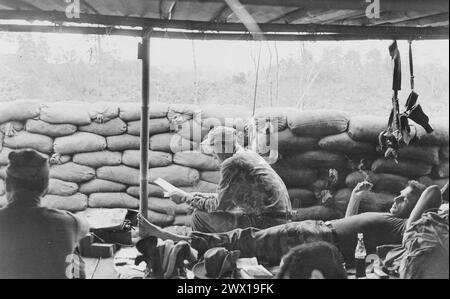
[(206, 36), (17, 4), (423, 21), (89, 7), (222, 15), (391, 5), (354, 14), (389, 17), (290, 16), (59, 17)]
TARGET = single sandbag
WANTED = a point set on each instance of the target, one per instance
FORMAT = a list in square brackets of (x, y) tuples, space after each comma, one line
[(161, 142), (441, 171), (319, 159), (294, 175), (428, 154), (23, 140), (343, 143), (167, 206), (276, 115), (101, 186), (120, 174), (428, 181), (180, 113), (191, 130), (132, 111), (79, 142), (61, 188), (2, 187), (113, 127), (102, 112), (155, 126), (171, 142), (160, 219), (443, 153), (75, 203), (177, 175), (366, 128), (52, 130), (441, 183), (440, 135), (155, 159), (74, 113), (288, 142), (3, 201), (19, 110), (202, 187), (317, 123), (196, 160), (4, 153), (408, 169), (123, 142), (371, 202), (382, 182), (210, 176), (113, 201), (152, 191), (10, 129), (72, 172), (301, 198), (98, 159), (57, 159)]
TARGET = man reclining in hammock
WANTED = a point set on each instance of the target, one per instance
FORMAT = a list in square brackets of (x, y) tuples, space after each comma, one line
[(250, 192), (269, 245)]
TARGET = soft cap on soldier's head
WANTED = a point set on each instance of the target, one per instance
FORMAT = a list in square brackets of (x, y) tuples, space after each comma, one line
[(219, 135), (27, 165)]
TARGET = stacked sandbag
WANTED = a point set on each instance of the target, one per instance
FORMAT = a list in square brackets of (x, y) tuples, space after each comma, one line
[(74, 203), (2, 187), (232, 116), (94, 153)]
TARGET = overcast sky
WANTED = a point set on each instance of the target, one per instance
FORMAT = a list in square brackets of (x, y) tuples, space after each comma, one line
[(227, 55)]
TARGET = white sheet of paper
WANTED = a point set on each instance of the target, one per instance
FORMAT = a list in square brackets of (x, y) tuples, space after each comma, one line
[(246, 262), (167, 186)]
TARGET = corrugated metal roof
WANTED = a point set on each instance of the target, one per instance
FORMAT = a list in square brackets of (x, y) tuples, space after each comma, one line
[(430, 17)]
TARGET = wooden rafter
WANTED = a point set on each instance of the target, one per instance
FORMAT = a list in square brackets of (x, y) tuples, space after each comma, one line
[(17, 4), (231, 27), (387, 17), (166, 9), (424, 21), (221, 16), (350, 15), (290, 16), (391, 5), (209, 36)]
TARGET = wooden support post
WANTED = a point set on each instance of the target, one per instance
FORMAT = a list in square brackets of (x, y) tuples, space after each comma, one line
[(144, 55)]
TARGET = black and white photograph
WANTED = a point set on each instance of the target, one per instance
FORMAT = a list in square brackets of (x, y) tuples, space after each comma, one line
[(224, 146)]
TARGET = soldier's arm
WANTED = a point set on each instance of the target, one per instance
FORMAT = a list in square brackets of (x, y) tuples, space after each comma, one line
[(431, 198), (82, 227), (210, 202), (356, 197)]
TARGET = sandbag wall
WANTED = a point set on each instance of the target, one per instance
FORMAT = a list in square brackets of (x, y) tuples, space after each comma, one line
[(316, 141), (94, 154)]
